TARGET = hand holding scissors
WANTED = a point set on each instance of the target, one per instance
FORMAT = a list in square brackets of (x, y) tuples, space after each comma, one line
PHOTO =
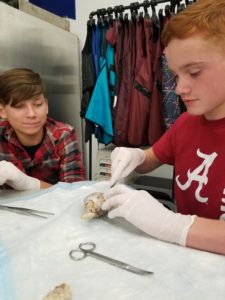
[(87, 249)]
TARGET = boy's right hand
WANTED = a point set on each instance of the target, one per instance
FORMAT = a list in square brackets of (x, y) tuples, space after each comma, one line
[(124, 161), (15, 178)]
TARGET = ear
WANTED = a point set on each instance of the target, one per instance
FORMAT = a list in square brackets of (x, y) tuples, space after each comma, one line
[(2, 112), (46, 101)]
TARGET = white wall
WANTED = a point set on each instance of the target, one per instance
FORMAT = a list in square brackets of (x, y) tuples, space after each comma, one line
[(78, 26)]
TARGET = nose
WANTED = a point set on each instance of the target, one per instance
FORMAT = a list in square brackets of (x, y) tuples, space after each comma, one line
[(182, 87), (30, 111)]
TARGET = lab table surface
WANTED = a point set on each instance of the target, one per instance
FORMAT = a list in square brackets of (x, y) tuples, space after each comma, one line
[(34, 254)]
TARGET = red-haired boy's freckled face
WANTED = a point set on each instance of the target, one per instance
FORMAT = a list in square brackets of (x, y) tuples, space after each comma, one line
[(199, 67)]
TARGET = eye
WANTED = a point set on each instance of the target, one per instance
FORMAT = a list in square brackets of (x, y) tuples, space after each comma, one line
[(18, 106), (38, 104), (194, 73)]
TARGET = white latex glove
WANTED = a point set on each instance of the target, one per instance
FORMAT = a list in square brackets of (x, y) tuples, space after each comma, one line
[(15, 178), (148, 214), (124, 161)]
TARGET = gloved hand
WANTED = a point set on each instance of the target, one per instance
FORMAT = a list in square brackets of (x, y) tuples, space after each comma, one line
[(15, 178), (148, 214), (124, 161)]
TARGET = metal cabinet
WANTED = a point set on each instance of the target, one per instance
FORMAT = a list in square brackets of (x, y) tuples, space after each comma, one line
[(27, 41)]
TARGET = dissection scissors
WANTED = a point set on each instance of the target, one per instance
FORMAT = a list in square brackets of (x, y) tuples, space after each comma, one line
[(26, 211), (86, 249)]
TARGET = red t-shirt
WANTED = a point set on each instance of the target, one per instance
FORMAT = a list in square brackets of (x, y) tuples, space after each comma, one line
[(196, 147)]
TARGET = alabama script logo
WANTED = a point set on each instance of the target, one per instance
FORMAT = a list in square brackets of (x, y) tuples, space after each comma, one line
[(200, 174)]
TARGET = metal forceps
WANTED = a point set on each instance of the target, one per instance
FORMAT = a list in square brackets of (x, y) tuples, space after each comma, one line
[(87, 249), (26, 211)]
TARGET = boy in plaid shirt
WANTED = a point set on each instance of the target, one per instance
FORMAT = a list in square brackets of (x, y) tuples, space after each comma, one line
[(35, 151)]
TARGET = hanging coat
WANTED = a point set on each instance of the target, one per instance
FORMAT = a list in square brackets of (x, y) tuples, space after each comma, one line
[(99, 109), (141, 91), (88, 81), (156, 122), (125, 71), (171, 105), (110, 61), (114, 37), (96, 36)]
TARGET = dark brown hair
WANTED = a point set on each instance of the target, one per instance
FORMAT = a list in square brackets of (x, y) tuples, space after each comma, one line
[(20, 84)]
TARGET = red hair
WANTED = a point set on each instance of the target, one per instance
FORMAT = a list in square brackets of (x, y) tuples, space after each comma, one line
[(204, 17)]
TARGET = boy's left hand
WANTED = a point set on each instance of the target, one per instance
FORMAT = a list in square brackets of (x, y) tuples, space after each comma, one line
[(147, 213), (15, 178)]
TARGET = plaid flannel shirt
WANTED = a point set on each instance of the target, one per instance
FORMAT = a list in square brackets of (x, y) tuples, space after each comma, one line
[(57, 159)]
